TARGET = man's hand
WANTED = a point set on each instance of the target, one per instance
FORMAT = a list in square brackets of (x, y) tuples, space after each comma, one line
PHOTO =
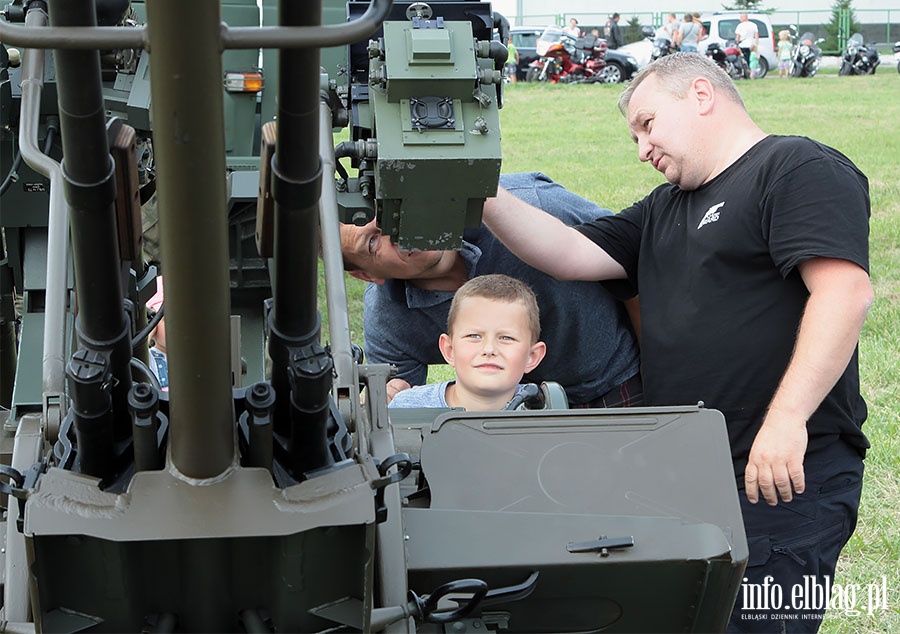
[(394, 386), (775, 466)]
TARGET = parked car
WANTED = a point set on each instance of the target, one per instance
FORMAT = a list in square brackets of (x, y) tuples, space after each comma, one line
[(640, 51), (720, 28), (525, 40), (621, 65)]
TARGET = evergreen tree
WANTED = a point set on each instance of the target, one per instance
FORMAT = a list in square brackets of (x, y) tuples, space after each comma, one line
[(840, 11), (632, 32), (750, 6)]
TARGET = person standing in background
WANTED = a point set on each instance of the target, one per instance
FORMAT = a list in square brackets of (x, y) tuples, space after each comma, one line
[(688, 34), (573, 29), (613, 32), (785, 50), (512, 61), (703, 34), (669, 29), (754, 62), (746, 34)]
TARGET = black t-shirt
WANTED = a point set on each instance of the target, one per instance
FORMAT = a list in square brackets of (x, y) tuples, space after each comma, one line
[(721, 295)]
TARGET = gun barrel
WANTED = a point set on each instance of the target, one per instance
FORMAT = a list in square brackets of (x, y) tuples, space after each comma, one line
[(187, 107)]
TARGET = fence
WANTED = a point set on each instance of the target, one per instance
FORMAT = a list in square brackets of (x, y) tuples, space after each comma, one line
[(876, 25)]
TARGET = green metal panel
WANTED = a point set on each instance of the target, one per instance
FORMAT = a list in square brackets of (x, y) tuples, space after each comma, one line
[(562, 476), (432, 179), (201, 553), (417, 67)]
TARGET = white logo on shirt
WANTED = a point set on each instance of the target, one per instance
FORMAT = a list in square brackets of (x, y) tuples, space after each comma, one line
[(711, 215)]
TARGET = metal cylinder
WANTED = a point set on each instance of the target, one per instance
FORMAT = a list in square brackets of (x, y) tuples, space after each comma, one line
[(189, 147), (310, 373), (260, 404), (88, 173), (54, 357), (297, 173), (296, 187), (89, 387), (89, 181), (144, 403)]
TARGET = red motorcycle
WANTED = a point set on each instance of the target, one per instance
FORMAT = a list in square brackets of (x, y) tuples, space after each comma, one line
[(563, 58)]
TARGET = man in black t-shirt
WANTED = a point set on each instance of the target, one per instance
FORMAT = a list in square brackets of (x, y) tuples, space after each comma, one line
[(752, 270)]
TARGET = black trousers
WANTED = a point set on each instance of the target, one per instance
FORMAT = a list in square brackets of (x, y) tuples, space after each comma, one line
[(794, 546)]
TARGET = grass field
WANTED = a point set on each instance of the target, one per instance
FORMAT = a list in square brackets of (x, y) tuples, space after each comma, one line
[(576, 136)]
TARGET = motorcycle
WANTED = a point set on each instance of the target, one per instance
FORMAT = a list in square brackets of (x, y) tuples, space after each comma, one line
[(729, 58), (858, 58), (563, 58), (662, 46), (896, 49), (805, 56)]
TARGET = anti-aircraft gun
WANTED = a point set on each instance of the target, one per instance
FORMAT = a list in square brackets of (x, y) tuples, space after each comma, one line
[(261, 492)]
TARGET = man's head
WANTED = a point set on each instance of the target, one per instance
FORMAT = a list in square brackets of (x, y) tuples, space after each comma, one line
[(615, 17), (492, 335), (744, 17), (371, 256), (677, 109)]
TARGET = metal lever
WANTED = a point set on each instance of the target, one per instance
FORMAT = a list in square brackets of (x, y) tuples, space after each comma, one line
[(602, 544)]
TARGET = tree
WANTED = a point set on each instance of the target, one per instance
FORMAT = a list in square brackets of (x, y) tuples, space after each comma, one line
[(750, 6), (843, 24), (632, 32)]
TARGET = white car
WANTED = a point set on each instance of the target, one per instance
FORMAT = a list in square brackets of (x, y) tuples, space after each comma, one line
[(720, 28), (640, 50)]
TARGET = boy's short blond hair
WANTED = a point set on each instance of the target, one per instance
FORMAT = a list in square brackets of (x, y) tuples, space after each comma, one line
[(501, 288)]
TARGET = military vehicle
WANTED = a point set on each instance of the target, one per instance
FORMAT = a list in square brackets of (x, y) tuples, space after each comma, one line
[(268, 489)]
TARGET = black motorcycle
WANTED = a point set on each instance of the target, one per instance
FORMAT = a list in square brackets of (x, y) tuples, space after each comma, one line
[(806, 55), (729, 58), (662, 46), (859, 58)]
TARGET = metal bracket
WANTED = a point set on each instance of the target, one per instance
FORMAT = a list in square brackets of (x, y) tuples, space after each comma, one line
[(602, 545)]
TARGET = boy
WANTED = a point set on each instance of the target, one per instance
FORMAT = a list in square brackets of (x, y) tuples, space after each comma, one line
[(491, 340)]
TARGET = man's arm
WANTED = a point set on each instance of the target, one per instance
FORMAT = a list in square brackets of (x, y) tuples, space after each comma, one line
[(545, 242), (840, 296)]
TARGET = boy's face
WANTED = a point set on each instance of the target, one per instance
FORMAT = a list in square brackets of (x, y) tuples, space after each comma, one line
[(491, 346)]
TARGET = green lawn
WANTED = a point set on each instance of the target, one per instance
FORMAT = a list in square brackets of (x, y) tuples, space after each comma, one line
[(576, 135)]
